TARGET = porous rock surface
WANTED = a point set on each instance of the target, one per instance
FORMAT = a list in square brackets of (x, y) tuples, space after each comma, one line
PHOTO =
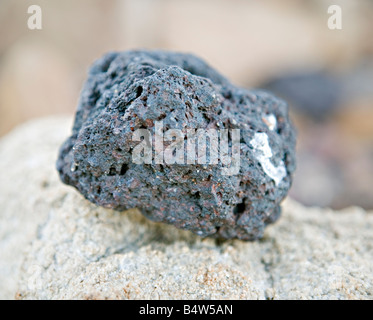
[(132, 90), (54, 244)]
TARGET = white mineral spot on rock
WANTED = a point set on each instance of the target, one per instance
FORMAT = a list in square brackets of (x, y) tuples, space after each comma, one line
[(270, 120), (263, 153)]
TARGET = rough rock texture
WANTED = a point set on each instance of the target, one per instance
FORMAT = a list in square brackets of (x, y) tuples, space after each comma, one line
[(55, 244), (135, 89)]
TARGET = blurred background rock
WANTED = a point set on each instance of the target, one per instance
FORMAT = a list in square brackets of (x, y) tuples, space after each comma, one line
[(283, 46)]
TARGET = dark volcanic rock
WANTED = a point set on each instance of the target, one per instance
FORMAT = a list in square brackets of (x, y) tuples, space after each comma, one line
[(136, 89)]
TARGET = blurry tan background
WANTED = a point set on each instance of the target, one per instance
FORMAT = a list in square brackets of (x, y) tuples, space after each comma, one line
[(284, 46)]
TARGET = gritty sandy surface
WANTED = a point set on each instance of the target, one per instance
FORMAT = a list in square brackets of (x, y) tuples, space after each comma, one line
[(56, 245)]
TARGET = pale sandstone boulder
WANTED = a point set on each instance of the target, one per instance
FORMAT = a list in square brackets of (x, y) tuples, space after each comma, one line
[(56, 245)]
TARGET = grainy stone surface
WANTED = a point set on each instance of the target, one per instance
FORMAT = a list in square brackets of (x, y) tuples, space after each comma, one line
[(133, 90), (55, 244)]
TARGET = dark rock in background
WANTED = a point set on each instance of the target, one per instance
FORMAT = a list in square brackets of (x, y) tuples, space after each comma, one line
[(131, 90), (315, 94), (333, 112)]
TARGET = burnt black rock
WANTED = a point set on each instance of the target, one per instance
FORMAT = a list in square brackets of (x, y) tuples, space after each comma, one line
[(134, 90)]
